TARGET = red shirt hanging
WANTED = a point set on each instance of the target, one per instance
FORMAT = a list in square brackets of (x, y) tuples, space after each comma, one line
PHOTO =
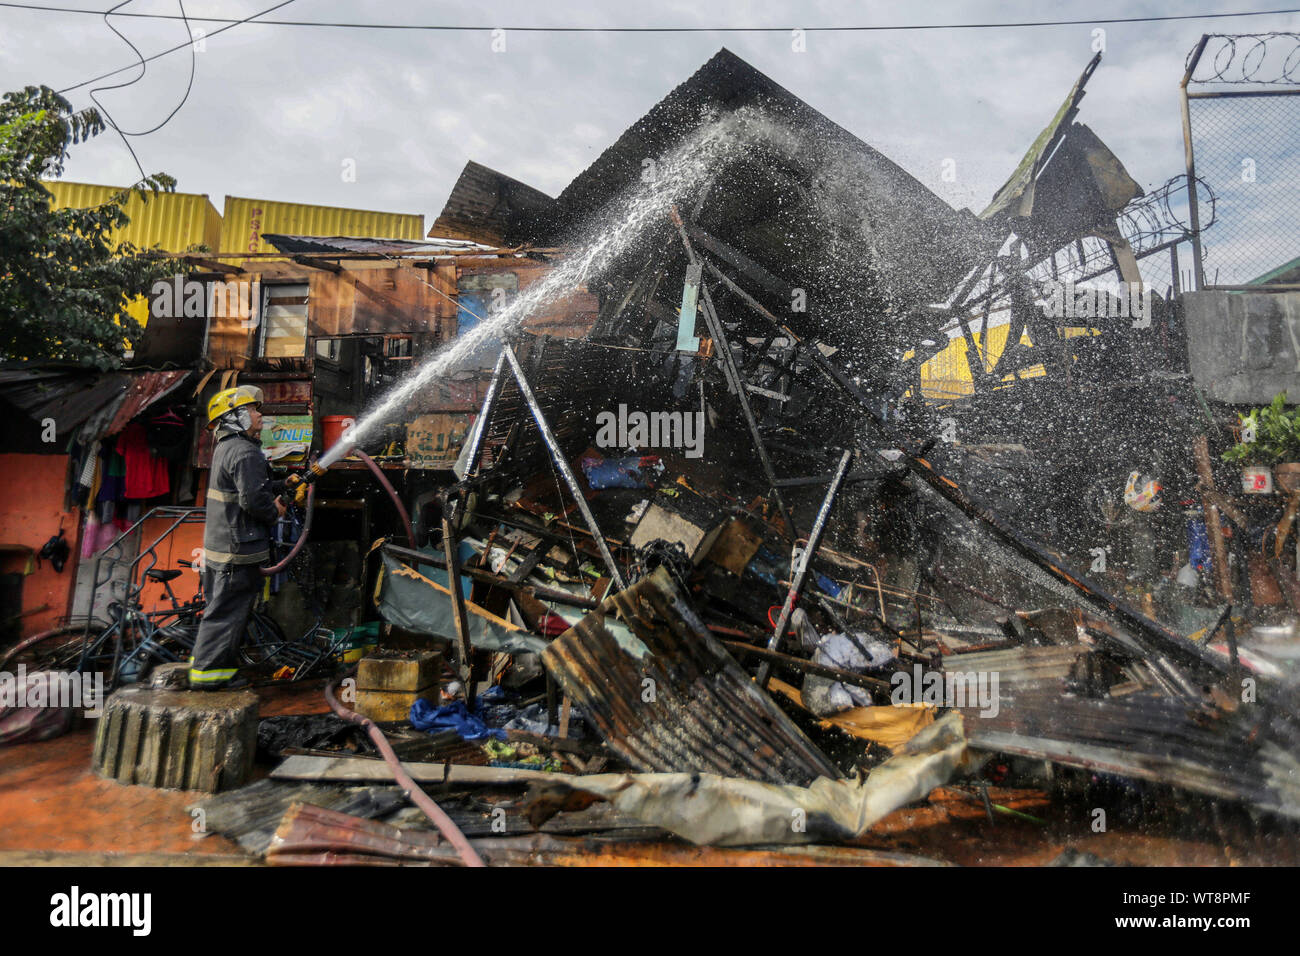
[(146, 473)]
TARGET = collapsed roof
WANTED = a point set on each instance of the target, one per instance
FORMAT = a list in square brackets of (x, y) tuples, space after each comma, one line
[(804, 199)]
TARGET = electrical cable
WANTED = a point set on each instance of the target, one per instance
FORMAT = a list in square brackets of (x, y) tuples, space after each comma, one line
[(100, 106), (189, 86), (868, 28), (149, 59), (873, 28)]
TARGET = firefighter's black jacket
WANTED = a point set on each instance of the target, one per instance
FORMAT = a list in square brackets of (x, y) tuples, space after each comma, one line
[(241, 503)]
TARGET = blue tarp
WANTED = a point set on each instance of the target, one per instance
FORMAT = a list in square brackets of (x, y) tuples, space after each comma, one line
[(454, 716)]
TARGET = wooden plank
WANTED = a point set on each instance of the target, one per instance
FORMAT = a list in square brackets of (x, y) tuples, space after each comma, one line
[(302, 767)]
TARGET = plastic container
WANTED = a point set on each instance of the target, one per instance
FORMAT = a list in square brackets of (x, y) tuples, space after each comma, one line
[(333, 428), (361, 640)]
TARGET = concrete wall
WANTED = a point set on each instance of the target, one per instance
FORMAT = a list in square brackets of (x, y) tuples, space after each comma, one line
[(1244, 347)]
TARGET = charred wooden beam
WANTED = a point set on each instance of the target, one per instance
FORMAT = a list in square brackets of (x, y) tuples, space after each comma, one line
[(325, 264)]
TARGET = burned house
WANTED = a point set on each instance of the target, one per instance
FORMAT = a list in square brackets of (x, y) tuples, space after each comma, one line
[(679, 506)]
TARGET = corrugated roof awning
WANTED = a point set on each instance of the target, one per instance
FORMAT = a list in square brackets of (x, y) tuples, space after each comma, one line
[(144, 390), (69, 396)]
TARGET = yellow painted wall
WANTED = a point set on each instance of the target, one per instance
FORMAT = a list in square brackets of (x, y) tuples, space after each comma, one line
[(176, 222)]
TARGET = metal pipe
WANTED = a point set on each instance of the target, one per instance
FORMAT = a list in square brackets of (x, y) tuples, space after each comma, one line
[(544, 594), (804, 563), (480, 425), (1240, 94), (553, 446), (412, 789)]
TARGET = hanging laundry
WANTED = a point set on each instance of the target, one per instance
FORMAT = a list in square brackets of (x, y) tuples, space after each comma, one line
[(146, 473), (112, 486)]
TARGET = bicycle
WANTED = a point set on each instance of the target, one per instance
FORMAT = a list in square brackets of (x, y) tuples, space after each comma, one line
[(136, 640)]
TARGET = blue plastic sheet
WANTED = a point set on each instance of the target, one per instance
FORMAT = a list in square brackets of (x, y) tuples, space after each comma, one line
[(454, 716), (632, 472)]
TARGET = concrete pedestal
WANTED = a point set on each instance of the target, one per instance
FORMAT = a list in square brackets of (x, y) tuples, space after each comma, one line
[(177, 739)]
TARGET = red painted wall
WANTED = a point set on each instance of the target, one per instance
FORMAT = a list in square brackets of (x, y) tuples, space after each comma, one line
[(31, 506)]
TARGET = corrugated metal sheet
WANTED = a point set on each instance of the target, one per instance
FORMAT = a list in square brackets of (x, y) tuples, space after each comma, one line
[(387, 247), (171, 221), (487, 206), (69, 397), (1235, 756), (671, 699), (246, 222), (145, 389)]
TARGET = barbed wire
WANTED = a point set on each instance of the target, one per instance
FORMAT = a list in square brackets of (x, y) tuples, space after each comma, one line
[(1265, 59)]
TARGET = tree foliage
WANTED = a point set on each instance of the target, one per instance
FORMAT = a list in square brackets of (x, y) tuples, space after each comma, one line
[(64, 283)]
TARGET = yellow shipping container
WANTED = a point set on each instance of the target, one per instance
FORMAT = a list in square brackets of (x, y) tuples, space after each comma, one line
[(246, 221), (172, 221)]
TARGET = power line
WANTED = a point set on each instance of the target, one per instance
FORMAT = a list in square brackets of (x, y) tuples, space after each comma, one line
[(189, 86), (256, 17), (230, 25), (144, 69), (99, 89), (669, 29)]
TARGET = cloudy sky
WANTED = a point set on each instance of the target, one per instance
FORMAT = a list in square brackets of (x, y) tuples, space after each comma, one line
[(276, 111)]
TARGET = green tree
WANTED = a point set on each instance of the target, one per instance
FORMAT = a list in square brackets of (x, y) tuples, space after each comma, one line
[(64, 284)]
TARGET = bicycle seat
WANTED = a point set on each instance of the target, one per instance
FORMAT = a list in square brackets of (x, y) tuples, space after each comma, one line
[(159, 575)]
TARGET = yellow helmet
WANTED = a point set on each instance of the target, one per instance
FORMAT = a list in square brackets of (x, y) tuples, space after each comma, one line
[(229, 399)]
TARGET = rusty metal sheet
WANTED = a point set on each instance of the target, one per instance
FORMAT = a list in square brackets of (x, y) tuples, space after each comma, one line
[(666, 696), (144, 390)]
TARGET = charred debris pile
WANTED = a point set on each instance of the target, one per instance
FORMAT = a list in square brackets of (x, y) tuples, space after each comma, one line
[(732, 559)]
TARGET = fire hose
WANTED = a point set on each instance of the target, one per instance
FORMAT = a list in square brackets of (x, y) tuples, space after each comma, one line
[(309, 479), (412, 789)]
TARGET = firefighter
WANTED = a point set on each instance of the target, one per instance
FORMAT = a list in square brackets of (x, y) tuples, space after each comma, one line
[(242, 506)]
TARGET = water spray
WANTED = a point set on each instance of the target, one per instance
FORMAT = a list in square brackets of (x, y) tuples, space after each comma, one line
[(688, 167)]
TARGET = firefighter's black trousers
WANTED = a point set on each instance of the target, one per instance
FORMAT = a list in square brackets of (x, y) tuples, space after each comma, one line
[(231, 590)]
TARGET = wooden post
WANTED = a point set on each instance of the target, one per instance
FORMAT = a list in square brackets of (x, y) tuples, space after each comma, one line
[(1218, 549)]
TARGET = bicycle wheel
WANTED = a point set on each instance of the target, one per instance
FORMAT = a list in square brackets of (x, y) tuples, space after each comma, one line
[(57, 649)]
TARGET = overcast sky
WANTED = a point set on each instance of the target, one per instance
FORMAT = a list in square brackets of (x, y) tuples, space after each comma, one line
[(275, 111)]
